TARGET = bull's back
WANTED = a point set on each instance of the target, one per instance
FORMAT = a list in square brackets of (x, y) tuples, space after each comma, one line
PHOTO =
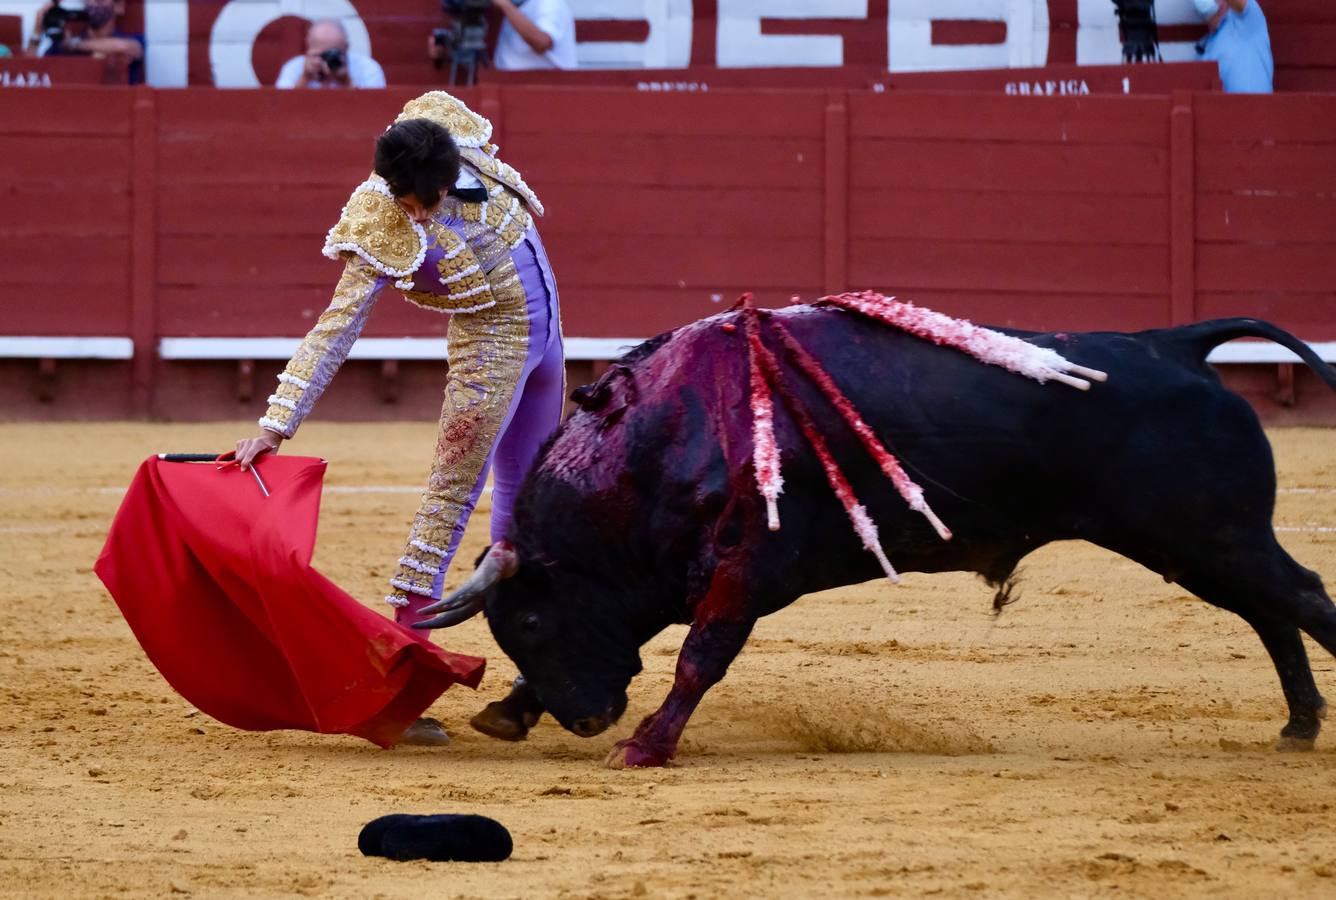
[(1007, 462)]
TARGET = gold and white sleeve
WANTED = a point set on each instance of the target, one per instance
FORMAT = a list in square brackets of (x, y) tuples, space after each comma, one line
[(325, 346)]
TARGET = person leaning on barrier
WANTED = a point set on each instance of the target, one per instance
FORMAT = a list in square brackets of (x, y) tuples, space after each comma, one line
[(328, 63), (1237, 40), (535, 34), (91, 31)]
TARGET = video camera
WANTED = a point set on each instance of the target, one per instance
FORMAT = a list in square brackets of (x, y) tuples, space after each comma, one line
[(1139, 30), (55, 19), (465, 41)]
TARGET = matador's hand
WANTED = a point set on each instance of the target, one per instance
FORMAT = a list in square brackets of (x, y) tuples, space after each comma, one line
[(249, 448)]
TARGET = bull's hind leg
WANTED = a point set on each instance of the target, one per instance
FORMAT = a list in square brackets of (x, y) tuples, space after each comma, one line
[(716, 637), (1307, 708), (1278, 598)]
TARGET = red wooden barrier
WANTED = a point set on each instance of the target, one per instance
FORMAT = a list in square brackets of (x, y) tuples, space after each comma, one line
[(201, 213), (65, 161), (1042, 215), (1266, 218)]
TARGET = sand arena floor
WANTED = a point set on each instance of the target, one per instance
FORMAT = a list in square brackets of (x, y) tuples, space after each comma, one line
[(1107, 736)]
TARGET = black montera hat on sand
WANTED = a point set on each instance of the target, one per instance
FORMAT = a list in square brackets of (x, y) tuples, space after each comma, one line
[(439, 838)]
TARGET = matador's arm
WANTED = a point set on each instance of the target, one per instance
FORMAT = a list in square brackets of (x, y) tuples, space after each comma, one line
[(325, 347)]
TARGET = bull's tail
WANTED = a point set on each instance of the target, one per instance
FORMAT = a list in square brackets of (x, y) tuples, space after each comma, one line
[(1194, 342)]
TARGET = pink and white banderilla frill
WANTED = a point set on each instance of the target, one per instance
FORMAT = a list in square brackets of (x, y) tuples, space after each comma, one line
[(985, 345)]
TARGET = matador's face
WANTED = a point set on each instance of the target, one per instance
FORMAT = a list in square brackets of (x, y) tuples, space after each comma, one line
[(419, 213)]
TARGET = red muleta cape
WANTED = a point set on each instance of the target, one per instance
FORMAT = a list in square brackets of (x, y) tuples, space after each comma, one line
[(215, 580)]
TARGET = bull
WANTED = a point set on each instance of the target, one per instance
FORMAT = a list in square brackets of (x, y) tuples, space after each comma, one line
[(643, 511)]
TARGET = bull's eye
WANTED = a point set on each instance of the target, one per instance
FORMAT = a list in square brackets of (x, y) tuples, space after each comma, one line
[(529, 625)]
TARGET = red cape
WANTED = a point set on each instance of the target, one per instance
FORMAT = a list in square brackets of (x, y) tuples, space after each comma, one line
[(215, 580)]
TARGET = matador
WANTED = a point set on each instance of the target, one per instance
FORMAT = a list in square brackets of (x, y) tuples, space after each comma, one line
[(480, 259)]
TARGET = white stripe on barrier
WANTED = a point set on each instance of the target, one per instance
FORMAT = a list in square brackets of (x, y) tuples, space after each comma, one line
[(1266, 352), (408, 348), (185, 348), (283, 348), (41, 347)]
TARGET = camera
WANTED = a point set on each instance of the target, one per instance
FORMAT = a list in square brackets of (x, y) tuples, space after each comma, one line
[(53, 23), (457, 9), (1139, 30), (334, 58), (465, 40)]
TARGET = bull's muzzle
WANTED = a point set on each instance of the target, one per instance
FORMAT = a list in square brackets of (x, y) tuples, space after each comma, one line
[(589, 726)]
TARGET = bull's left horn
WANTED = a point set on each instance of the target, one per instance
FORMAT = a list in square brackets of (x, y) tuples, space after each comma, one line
[(500, 562)]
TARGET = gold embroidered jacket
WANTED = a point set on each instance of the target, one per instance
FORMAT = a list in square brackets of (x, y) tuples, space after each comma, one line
[(432, 264)]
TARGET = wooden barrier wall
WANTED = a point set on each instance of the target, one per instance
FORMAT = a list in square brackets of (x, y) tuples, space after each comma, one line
[(197, 212)]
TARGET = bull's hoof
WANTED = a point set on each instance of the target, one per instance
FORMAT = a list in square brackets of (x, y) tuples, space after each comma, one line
[(1295, 744), (629, 754), (499, 720)]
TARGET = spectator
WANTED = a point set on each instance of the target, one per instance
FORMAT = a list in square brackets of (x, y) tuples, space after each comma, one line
[(329, 63), (536, 34), (1238, 41), (94, 34)]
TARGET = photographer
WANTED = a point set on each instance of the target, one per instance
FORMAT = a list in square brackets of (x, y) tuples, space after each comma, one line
[(329, 63), (90, 31), (535, 34), (1238, 41)]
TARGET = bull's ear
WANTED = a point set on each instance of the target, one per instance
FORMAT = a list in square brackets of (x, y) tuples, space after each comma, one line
[(612, 393), (583, 397)]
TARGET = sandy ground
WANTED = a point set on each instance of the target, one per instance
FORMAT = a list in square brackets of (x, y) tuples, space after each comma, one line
[(1108, 735)]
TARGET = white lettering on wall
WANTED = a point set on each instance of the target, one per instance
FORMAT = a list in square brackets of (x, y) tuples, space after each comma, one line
[(1064, 87), (668, 45), (241, 21), (25, 79), (909, 35), (740, 42), (682, 87), (167, 42), (26, 10)]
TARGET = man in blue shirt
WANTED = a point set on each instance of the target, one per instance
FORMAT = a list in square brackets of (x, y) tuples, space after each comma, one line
[(96, 34), (1237, 40)]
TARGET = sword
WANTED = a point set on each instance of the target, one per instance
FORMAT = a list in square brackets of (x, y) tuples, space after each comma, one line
[(213, 457)]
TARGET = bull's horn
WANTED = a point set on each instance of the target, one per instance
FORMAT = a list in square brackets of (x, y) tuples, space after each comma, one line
[(500, 562)]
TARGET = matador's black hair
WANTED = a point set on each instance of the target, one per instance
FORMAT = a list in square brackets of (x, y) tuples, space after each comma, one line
[(417, 157)]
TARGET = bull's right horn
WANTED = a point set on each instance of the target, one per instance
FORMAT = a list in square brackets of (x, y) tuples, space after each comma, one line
[(500, 562)]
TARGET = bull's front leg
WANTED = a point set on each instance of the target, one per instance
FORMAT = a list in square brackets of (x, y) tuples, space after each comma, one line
[(722, 624), (705, 656), (510, 718)]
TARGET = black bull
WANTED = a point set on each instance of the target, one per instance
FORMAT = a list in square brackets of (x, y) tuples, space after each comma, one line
[(643, 510)]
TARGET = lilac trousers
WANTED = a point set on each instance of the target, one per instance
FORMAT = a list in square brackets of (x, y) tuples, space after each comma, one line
[(533, 411)]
